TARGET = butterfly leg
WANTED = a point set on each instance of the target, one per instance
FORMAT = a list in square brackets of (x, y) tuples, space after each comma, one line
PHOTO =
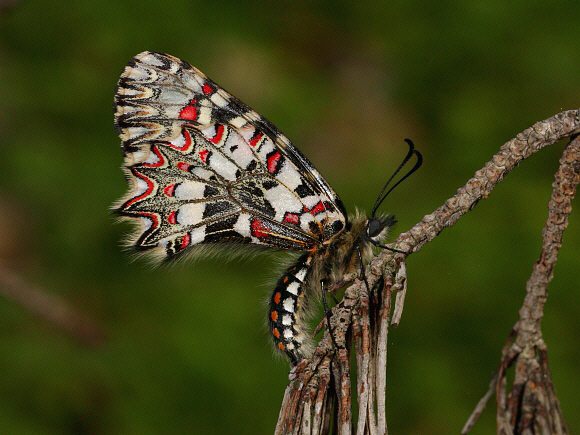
[(362, 268), (328, 315)]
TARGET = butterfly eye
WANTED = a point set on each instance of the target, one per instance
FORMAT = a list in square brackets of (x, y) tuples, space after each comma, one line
[(374, 228)]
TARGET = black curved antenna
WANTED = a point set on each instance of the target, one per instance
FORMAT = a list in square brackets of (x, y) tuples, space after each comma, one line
[(412, 151)]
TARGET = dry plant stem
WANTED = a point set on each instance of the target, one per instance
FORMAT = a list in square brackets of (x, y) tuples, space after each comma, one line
[(532, 405), (50, 308), (381, 356), (374, 319), (401, 290), (480, 406), (493, 384), (342, 370), (384, 267), (361, 334), (312, 381)]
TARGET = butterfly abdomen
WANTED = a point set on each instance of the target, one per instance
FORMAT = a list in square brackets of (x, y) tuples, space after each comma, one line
[(288, 310)]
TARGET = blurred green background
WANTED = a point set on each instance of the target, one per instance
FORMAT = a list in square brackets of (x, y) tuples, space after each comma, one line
[(186, 349)]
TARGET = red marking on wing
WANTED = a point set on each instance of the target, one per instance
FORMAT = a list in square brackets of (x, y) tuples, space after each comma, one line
[(292, 218), (275, 332), (172, 217), (281, 346), (207, 89), (186, 241), (204, 155), (170, 190), (189, 112), (256, 138), (185, 147), (260, 230), (274, 162), (274, 316), (185, 167), (218, 135), (318, 208), (160, 160), (278, 297), (145, 194)]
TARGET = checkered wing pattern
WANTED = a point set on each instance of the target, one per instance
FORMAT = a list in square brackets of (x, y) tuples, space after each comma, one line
[(204, 168)]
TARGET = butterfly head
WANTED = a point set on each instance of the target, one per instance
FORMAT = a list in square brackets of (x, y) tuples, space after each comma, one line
[(378, 228)]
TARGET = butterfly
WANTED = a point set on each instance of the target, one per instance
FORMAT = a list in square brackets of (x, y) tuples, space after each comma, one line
[(207, 173)]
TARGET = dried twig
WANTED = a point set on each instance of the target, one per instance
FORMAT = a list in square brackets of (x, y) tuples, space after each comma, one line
[(480, 406), (532, 405), (366, 317)]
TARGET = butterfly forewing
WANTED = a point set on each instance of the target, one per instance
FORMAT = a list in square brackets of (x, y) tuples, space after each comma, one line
[(205, 168)]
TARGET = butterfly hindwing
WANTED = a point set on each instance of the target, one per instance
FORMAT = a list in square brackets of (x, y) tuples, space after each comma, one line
[(205, 168)]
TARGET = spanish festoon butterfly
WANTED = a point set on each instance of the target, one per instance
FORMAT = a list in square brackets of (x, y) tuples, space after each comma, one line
[(206, 171)]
